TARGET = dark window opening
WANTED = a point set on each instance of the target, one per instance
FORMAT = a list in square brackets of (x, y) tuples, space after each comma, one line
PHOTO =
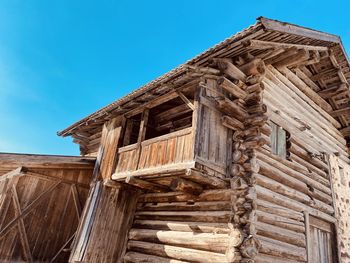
[(169, 117), (132, 129)]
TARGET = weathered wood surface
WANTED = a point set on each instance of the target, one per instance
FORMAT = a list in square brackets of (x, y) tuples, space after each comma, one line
[(40, 206), (161, 151)]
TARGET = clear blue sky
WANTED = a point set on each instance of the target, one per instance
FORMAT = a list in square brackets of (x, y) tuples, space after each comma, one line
[(61, 60)]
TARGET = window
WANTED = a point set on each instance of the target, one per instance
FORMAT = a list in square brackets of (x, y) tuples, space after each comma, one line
[(170, 116), (321, 241), (279, 138), (132, 129)]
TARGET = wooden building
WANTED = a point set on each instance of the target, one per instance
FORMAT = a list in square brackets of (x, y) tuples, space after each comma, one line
[(238, 155), (41, 200)]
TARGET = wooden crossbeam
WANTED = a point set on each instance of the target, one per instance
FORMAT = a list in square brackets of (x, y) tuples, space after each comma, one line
[(62, 248), (186, 100), (28, 209), (76, 199), (16, 172), (260, 44), (21, 228), (337, 113), (146, 185)]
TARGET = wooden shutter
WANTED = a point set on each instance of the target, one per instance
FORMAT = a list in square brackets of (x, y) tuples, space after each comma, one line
[(278, 140), (322, 241)]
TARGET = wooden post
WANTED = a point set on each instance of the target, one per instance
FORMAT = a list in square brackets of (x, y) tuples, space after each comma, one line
[(308, 238), (104, 166)]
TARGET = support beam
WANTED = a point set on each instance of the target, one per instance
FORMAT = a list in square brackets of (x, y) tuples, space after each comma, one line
[(260, 44), (186, 100), (186, 186), (146, 185)]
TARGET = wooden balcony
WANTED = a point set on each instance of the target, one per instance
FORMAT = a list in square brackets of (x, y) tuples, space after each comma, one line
[(164, 154), (157, 163)]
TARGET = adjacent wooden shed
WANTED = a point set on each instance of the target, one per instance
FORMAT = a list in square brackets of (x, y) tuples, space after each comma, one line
[(41, 200)]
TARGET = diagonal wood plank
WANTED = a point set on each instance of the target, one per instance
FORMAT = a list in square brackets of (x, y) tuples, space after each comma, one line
[(21, 228), (28, 209), (16, 172), (62, 248), (76, 200)]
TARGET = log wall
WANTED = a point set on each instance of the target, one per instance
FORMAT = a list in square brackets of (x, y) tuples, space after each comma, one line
[(183, 228), (288, 188)]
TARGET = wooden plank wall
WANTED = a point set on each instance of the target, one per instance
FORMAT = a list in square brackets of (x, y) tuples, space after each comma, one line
[(286, 188), (47, 204), (212, 135), (113, 217)]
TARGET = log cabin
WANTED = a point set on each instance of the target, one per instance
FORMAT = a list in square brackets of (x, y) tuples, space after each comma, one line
[(241, 154)]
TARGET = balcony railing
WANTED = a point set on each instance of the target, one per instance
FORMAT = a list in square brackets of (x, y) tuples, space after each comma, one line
[(163, 152)]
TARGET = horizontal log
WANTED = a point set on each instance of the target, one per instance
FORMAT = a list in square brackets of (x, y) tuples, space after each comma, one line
[(207, 195), (229, 69), (254, 67), (287, 202), (183, 226), (261, 44), (232, 123), (231, 108), (281, 249), (186, 186), (200, 216), (276, 209), (146, 185), (185, 206), (280, 221), (176, 252), (231, 88), (205, 241), (264, 258), (284, 174), (205, 179), (281, 234), (303, 95), (134, 257)]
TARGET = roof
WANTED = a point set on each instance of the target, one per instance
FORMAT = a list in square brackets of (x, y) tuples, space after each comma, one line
[(10, 161), (264, 28)]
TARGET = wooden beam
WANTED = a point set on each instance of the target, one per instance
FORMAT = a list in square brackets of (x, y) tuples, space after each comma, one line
[(186, 100), (231, 88), (345, 131), (343, 111), (205, 179), (28, 209), (62, 248), (306, 89), (146, 185), (260, 44), (21, 228), (297, 30), (76, 199), (227, 67), (13, 173), (186, 186), (308, 236)]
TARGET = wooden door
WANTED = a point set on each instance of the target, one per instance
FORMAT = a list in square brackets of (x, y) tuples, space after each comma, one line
[(323, 241)]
